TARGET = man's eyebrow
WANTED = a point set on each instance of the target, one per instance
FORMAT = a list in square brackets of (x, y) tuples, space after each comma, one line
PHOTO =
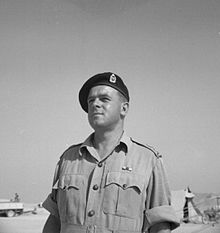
[(104, 95), (99, 95)]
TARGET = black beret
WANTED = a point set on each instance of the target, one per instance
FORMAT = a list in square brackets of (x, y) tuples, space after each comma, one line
[(108, 79)]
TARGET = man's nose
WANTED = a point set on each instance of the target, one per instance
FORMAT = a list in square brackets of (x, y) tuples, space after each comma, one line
[(96, 102)]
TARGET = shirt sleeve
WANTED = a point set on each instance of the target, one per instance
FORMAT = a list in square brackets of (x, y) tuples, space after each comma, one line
[(50, 205), (158, 202)]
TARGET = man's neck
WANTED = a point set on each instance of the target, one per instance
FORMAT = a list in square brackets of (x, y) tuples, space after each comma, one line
[(105, 142)]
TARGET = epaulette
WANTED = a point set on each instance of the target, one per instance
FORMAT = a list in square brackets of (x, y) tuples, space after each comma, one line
[(151, 148), (75, 145), (69, 148)]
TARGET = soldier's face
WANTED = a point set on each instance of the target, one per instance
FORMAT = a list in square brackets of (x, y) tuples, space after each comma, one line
[(104, 107)]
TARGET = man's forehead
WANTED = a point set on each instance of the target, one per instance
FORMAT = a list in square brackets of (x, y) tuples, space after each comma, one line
[(101, 90)]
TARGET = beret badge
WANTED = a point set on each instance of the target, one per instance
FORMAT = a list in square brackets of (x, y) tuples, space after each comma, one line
[(112, 78)]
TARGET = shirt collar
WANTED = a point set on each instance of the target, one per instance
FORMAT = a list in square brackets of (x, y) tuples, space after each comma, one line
[(125, 140), (87, 143)]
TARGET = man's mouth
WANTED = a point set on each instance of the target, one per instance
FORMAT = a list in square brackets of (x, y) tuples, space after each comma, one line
[(97, 113)]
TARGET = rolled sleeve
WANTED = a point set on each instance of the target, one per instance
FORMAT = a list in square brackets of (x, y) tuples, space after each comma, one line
[(50, 205), (158, 204), (161, 214)]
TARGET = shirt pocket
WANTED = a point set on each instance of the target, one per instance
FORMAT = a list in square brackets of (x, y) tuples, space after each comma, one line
[(71, 198), (123, 195)]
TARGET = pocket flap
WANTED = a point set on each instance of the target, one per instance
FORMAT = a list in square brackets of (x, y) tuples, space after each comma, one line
[(68, 181), (125, 180)]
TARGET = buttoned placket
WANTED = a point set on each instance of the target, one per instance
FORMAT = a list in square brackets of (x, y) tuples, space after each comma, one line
[(95, 192), (94, 196)]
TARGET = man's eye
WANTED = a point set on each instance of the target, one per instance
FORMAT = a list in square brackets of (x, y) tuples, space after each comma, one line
[(105, 99), (90, 101)]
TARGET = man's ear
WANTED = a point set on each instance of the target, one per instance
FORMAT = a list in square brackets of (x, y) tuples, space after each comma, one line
[(124, 108)]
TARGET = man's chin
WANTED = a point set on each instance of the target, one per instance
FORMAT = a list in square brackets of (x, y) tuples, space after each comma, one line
[(97, 125)]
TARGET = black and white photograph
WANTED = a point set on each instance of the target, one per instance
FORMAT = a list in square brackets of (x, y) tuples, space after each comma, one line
[(110, 116)]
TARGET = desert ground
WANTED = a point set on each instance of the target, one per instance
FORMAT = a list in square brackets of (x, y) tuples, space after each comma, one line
[(25, 223), (33, 223)]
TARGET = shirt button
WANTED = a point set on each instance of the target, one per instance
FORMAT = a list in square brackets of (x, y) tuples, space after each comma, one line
[(91, 229), (91, 213), (95, 187), (100, 164), (124, 186)]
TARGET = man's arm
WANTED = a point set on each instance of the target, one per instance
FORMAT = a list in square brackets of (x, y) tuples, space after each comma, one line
[(160, 217), (160, 228), (52, 225)]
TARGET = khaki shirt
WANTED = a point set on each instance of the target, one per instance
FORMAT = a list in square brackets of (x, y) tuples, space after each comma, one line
[(126, 191)]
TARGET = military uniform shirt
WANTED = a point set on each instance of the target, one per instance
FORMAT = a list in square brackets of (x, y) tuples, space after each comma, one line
[(127, 191)]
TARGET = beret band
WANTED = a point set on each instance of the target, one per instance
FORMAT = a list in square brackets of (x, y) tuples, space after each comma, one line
[(107, 79)]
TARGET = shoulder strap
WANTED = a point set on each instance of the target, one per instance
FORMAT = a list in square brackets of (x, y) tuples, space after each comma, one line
[(151, 148)]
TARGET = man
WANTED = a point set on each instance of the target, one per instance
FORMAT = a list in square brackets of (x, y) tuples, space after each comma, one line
[(109, 183)]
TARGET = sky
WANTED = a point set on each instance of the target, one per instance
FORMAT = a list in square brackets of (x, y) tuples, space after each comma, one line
[(167, 53)]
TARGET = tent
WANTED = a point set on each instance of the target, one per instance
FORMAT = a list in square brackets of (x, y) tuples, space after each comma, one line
[(183, 204)]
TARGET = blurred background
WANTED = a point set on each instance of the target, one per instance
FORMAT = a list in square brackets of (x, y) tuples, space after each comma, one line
[(168, 54)]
